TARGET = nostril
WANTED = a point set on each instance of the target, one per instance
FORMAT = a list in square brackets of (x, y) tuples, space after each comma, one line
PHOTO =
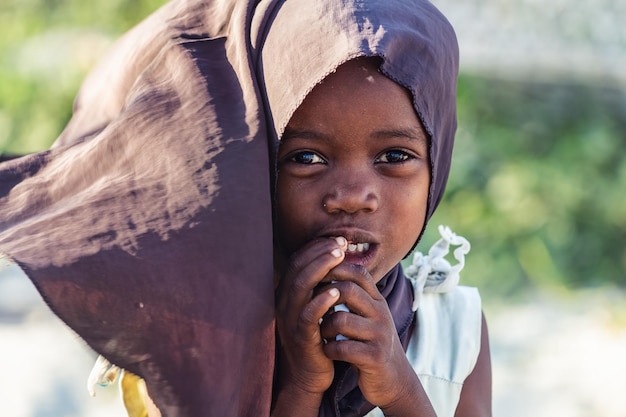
[(350, 202)]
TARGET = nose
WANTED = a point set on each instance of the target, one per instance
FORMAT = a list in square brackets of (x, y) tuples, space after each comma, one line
[(351, 195)]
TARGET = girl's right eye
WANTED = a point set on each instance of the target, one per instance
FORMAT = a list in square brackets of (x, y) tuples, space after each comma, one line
[(307, 158)]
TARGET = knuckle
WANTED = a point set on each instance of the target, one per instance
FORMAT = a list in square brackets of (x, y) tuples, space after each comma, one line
[(360, 272), (299, 286), (307, 317), (343, 349), (340, 320), (295, 265)]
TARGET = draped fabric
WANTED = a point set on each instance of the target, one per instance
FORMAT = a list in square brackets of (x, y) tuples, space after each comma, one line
[(147, 227), (148, 224)]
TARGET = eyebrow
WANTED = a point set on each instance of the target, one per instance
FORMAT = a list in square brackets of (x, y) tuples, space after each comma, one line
[(303, 134), (409, 133)]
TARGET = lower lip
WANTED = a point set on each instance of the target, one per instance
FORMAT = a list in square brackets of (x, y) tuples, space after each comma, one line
[(361, 258)]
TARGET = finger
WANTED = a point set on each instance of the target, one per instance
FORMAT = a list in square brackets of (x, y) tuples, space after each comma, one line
[(350, 325), (369, 304), (353, 351), (323, 253), (378, 326), (317, 247), (357, 274), (314, 312), (307, 268), (364, 353)]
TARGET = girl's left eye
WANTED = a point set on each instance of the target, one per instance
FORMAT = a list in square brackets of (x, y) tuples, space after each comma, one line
[(394, 156)]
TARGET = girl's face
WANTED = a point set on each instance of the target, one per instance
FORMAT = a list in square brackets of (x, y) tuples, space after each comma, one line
[(353, 162)]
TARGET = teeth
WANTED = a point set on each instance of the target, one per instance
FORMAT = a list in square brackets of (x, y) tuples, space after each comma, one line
[(358, 247)]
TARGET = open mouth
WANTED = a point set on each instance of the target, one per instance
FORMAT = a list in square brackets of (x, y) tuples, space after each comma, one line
[(360, 252), (357, 248)]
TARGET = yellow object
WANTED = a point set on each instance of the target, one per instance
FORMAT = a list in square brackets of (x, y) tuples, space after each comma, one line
[(134, 395), (133, 388)]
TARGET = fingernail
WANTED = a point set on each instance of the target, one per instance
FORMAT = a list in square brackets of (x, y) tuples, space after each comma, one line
[(341, 241), (336, 253), (334, 292)]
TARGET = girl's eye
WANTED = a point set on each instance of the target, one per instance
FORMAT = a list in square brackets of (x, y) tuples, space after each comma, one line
[(394, 156), (307, 158)]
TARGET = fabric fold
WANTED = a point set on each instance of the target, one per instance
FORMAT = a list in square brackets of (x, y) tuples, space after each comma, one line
[(146, 236)]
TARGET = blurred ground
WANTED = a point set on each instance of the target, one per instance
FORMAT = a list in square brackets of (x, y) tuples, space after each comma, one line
[(552, 356), (44, 364), (560, 356)]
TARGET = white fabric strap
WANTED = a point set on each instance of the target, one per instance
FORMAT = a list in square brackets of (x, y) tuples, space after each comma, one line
[(102, 374), (432, 272)]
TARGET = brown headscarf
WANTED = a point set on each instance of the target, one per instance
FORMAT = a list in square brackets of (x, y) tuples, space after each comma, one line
[(147, 226)]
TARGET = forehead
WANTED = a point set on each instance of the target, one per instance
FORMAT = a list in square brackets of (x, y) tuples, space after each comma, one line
[(355, 80), (357, 96)]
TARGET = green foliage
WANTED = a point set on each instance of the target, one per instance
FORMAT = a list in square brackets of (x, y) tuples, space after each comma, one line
[(538, 182), (46, 48), (538, 185)]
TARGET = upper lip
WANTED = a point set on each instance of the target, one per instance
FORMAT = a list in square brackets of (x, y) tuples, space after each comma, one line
[(352, 234)]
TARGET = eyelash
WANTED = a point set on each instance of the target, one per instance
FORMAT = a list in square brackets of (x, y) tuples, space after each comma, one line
[(311, 157), (299, 158), (405, 156)]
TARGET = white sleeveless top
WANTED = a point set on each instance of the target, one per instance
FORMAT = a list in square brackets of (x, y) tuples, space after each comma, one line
[(445, 346)]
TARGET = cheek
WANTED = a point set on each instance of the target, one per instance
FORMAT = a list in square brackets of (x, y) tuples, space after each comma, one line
[(410, 213)]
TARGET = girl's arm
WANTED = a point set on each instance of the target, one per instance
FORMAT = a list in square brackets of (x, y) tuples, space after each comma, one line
[(476, 393)]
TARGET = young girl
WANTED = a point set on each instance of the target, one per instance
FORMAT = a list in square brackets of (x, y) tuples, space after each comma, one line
[(352, 196), (148, 227)]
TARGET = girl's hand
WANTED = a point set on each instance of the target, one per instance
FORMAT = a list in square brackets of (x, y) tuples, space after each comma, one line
[(386, 377), (305, 371)]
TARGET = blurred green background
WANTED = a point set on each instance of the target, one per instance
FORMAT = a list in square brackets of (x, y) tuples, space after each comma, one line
[(539, 184), (539, 175), (46, 48)]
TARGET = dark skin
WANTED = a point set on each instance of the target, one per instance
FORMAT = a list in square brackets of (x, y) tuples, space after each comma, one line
[(353, 167)]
